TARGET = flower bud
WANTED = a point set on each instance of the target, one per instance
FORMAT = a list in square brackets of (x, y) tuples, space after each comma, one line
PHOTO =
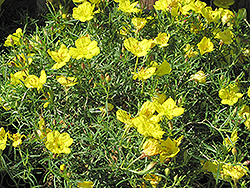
[(102, 77), (167, 172), (246, 162), (107, 78), (234, 151), (62, 167)]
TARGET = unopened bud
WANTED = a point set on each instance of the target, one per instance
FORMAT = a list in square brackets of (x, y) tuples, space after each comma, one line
[(107, 78), (176, 178), (234, 151), (170, 124), (102, 77), (62, 167), (167, 172), (83, 66), (199, 77), (246, 162)]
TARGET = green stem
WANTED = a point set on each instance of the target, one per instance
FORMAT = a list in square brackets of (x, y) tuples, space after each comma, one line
[(136, 64)]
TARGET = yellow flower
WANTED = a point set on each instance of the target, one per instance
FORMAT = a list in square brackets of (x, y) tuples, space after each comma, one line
[(126, 6), (124, 117), (210, 15), (205, 45), (166, 5), (14, 38), (147, 109), (18, 77), (248, 92), (229, 94), (61, 57), (229, 143), (85, 48), (3, 138), (162, 39), (199, 77), (139, 23), (22, 60), (148, 127), (159, 98), (85, 184), (17, 139), (151, 147), (169, 108), (58, 143), (161, 69), (189, 51), (138, 48), (84, 12), (235, 171), (168, 149), (144, 74), (226, 36), (66, 81), (33, 81), (223, 3), (154, 179), (213, 167)]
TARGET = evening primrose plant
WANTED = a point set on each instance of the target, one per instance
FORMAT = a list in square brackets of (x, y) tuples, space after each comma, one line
[(103, 94)]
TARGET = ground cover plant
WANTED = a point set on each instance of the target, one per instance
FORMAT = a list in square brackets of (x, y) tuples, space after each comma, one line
[(105, 94)]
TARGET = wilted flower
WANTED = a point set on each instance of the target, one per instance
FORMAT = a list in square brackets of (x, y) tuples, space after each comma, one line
[(110, 107), (226, 16), (124, 117), (225, 36), (4, 104), (66, 81), (22, 60), (154, 179), (85, 184), (223, 3), (161, 69), (229, 143), (190, 52), (199, 77), (17, 139), (58, 143), (42, 130)]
